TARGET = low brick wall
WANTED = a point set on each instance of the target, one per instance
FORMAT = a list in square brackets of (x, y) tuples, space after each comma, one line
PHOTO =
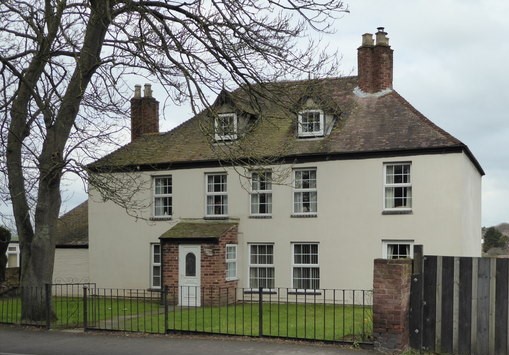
[(391, 304), (11, 278)]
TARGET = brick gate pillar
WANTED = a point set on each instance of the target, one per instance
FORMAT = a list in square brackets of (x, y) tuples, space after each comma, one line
[(391, 303)]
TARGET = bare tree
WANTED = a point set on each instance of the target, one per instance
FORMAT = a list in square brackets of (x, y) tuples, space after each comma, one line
[(63, 91)]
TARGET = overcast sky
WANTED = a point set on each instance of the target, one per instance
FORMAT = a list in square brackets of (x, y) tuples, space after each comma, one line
[(451, 62)]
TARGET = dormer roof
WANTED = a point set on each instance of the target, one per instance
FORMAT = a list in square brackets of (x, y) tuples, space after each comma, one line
[(369, 125)]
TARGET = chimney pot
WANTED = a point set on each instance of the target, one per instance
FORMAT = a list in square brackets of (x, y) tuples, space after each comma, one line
[(367, 39), (147, 92), (137, 91), (381, 37)]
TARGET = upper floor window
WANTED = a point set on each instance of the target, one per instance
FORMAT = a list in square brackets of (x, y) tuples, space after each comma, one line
[(398, 186), (162, 196), (397, 249), (261, 193), (225, 127), (217, 197), (311, 123), (305, 192)]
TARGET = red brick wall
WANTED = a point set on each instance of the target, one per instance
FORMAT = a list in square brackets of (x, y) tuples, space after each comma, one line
[(391, 303), (365, 68), (144, 116), (375, 67), (383, 67), (215, 288)]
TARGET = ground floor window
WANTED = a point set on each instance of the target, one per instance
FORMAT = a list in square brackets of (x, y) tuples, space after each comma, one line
[(305, 266), (231, 262), (261, 266), (397, 249), (155, 265)]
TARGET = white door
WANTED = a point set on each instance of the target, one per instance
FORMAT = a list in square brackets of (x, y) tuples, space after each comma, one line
[(189, 275)]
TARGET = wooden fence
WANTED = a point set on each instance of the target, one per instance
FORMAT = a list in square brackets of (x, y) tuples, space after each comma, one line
[(459, 305)]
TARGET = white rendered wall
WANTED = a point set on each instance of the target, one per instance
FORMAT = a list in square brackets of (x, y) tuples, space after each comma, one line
[(350, 226), (71, 266)]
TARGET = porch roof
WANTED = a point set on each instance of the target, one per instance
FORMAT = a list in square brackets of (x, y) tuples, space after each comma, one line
[(198, 230)]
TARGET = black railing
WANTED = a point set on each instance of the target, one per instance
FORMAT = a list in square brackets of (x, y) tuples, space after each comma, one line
[(57, 305), (323, 315), (327, 315), (124, 309)]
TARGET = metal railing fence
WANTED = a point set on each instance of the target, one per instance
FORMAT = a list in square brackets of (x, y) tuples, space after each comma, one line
[(330, 315), (323, 315), (60, 305)]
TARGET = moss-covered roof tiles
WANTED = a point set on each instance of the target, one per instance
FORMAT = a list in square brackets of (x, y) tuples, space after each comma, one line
[(366, 124), (198, 230), (72, 227)]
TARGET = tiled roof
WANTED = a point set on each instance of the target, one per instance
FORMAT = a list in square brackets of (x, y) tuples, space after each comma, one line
[(72, 227), (198, 230), (381, 124)]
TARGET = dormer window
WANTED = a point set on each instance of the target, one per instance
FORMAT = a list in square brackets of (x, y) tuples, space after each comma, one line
[(311, 123), (225, 127)]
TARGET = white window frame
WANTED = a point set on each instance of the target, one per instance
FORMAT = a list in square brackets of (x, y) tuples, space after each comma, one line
[(219, 127), (311, 265), (394, 186), (211, 195), (155, 265), (257, 192), (162, 196), (299, 190), (303, 132), (388, 254), (261, 266), (15, 252), (231, 262)]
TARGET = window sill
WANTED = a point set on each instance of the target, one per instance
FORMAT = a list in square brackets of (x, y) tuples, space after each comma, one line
[(216, 217), (253, 291), (165, 218), (152, 289), (225, 139), (259, 216), (232, 279), (305, 292), (389, 212), (311, 136), (309, 215)]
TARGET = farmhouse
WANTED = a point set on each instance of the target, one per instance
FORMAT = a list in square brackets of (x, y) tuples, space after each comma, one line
[(301, 188)]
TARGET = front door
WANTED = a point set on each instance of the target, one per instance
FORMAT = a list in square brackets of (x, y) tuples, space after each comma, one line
[(189, 275)]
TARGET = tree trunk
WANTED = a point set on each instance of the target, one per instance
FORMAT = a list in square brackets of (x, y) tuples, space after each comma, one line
[(37, 242), (36, 271)]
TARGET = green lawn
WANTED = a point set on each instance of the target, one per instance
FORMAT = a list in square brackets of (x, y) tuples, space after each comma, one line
[(105, 311), (293, 320), (322, 322)]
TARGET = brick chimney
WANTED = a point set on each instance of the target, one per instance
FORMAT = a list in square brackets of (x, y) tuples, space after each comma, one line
[(375, 63), (144, 112)]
